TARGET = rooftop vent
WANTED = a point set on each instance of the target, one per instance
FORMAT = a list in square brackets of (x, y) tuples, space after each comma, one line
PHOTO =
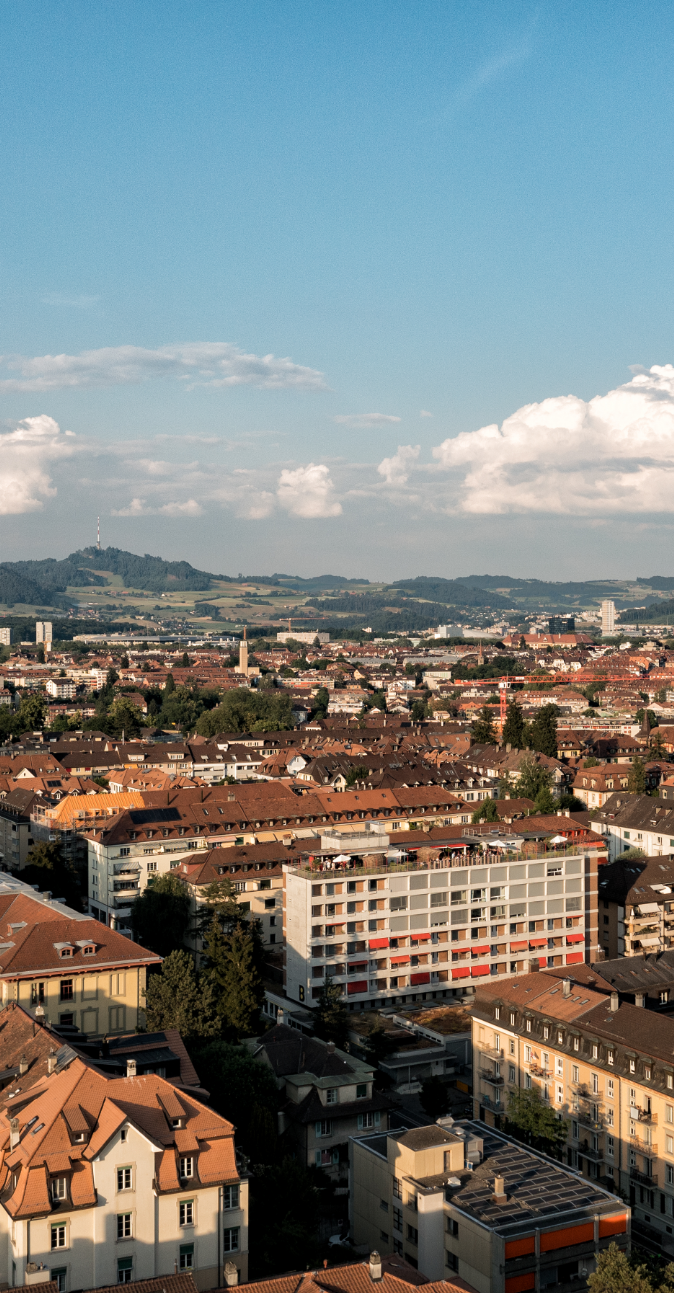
[(375, 1266)]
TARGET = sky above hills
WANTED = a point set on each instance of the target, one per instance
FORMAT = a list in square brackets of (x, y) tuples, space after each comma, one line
[(380, 288)]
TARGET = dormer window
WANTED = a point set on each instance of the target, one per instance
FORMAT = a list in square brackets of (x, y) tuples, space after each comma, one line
[(186, 1168), (59, 1188), (89, 950)]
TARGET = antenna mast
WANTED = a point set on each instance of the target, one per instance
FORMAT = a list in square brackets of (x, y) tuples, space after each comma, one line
[(98, 533)]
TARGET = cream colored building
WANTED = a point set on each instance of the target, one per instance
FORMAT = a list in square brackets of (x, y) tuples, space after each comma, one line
[(114, 1180), (456, 1198)]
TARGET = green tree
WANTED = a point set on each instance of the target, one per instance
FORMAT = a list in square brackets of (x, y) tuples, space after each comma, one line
[(487, 812), (535, 1122), (160, 915), (616, 1273), (379, 1042), (285, 1201), (418, 711), (545, 802), (176, 997), (181, 708), (331, 1021), (242, 710), (169, 685), (482, 729), (32, 713), (513, 728), (533, 777), (233, 968), (239, 1085), (544, 731), (636, 783), (591, 763), (434, 1097), (185, 662), (572, 804), (357, 773), (46, 866), (321, 702)]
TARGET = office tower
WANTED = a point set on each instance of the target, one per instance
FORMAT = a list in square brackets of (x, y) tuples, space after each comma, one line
[(43, 631), (608, 617)]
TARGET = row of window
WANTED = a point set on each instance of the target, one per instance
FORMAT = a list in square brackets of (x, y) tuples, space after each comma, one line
[(366, 1122), (60, 1236), (576, 1045)]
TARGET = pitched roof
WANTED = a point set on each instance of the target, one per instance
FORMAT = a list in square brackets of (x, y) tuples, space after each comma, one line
[(290, 1051), (397, 1277)]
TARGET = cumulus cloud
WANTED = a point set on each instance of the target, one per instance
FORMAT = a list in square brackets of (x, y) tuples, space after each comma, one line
[(26, 451), (611, 454), (308, 492), (216, 363), (396, 469), (365, 419), (139, 507), (423, 413)]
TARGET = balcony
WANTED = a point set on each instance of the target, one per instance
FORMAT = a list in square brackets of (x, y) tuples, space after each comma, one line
[(490, 1103), (586, 1151), (647, 1115), (491, 1052), (494, 1079), (540, 1072), (642, 1177), (645, 1147), (587, 1120)]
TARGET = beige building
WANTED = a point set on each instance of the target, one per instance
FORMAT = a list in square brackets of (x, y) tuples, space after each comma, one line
[(458, 1198), (607, 1069), (113, 1180)]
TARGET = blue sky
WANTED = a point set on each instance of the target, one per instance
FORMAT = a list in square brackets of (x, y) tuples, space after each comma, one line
[(274, 242)]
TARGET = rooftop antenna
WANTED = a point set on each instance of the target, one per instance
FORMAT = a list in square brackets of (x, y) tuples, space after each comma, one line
[(98, 533)]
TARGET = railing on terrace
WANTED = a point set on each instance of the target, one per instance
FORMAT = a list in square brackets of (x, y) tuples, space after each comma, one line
[(469, 857)]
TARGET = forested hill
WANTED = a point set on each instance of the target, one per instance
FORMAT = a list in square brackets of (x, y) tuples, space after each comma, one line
[(45, 581)]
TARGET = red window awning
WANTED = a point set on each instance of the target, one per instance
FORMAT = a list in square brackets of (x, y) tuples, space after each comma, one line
[(482, 949), (420, 978), (575, 938), (418, 938), (477, 970), (538, 942), (356, 965), (573, 957), (399, 960), (360, 985), (378, 942), (461, 972), (542, 961), (518, 947)]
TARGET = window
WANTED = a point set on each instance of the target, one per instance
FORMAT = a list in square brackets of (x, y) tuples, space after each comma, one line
[(576, 1043), (59, 1187), (527, 1054), (58, 1237), (528, 1025), (124, 1225), (186, 1168), (452, 1261), (575, 1073), (610, 1146), (398, 1219), (412, 1235), (595, 1052), (669, 1144), (669, 1174), (559, 1066), (512, 1021), (124, 1270), (497, 1013), (231, 1239), (324, 1128), (595, 1084), (124, 1178), (186, 1257), (383, 1236), (633, 1067), (361, 1091), (331, 1095), (59, 1278), (609, 1057), (368, 1120), (511, 1073), (669, 1113), (383, 1205), (187, 1212), (67, 993), (397, 1188), (230, 1197), (546, 1033)]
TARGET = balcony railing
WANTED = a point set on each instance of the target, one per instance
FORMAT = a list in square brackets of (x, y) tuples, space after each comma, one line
[(588, 1120), (494, 1079), (647, 1115), (538, 1071), (490, 1103), (642, 1177), (586, 1151), (648, 1148), (491, 1052)]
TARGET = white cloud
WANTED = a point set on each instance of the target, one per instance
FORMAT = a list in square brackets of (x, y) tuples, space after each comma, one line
[(308, 492), (139, 507), (396, 469), (365, 419), (425, 414), (216, 363), (25, 453), (612, 454)]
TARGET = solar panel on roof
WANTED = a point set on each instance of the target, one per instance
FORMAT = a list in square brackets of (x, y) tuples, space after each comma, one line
[(143, 816)]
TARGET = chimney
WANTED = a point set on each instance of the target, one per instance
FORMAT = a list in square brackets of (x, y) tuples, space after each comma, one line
[(231, 1275), (331, 1048), (566, 987), (375, 1266), (615, 1001), (280, 1015), (640, 999), (500, 1195), (534, 965), (51, 1061), (13, 1133), (46, 894), (131, 1068), (23, 1066)]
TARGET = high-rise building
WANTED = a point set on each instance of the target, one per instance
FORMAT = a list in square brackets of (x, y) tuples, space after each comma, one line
[(43, 630), (5, 637), (608, 617), (243, 654), (561, 624)]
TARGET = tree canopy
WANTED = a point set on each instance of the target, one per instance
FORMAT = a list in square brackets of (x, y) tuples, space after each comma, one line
[(242, 710), (532, 1120), (513, 728), (177, 997), (543, 733), (160, 915), (482, 729), (331, 1021)]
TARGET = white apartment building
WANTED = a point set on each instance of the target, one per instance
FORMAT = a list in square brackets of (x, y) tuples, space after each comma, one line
[(61, 688), (114, 1180), (395, 933), (608, 618), (5, 637), (43, 631)]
